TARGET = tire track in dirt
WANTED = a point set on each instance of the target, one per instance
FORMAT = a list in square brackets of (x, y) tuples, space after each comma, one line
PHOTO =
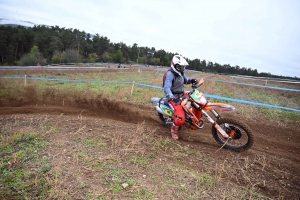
[(98, 106), (279, 141)]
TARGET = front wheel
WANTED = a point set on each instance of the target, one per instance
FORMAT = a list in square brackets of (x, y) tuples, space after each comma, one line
[(241, 134)]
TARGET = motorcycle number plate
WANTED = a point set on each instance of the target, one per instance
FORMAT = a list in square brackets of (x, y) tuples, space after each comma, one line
[(197, 94)]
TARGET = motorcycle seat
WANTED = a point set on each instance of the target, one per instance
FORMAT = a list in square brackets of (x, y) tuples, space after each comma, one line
[(164, 101)]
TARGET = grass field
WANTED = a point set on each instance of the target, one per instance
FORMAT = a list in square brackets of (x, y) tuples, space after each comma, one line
[(45, 89)]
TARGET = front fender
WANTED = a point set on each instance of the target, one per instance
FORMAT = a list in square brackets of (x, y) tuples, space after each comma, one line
[(219, 106)]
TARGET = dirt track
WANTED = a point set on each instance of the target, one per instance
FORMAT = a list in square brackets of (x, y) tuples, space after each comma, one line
[(279, 145)]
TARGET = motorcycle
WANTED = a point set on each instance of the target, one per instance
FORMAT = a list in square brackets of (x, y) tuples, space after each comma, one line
[(230, 133)]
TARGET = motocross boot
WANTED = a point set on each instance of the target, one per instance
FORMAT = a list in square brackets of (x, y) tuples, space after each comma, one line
[(174, 132)]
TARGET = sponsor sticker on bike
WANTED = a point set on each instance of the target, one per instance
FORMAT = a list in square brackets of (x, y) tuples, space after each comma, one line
[(167, 111)]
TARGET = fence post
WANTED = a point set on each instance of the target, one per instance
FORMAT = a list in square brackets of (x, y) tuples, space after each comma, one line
[(25, 80), (132, 88)]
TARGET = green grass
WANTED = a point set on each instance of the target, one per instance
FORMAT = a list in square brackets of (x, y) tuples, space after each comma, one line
[(206, 181), (140, 160), (262, 97), (143, 193), (279, 115), (223, 90), (22, 171)]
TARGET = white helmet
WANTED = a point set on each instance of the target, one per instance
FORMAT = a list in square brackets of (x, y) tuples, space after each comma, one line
[(178, 64)]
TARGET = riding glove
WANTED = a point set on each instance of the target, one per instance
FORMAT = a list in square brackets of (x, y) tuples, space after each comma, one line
[(194, 81)]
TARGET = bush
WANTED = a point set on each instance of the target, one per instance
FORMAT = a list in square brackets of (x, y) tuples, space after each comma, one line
[(32, 58), (29, 60), (93, 57), (72, 56), (56, 57)]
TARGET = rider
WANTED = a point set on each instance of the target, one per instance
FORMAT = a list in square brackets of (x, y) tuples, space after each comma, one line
[(174, 90)]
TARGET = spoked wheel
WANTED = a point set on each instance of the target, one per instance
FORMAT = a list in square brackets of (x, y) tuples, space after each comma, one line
[(241, 134), (166, 120)]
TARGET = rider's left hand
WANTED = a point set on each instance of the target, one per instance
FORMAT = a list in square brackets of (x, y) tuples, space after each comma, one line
[(194, 81)]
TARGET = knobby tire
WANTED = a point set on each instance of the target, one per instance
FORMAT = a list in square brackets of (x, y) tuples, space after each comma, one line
[(229, 145)]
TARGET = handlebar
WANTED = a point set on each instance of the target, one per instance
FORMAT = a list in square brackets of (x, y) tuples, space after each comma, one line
[(195, 86)]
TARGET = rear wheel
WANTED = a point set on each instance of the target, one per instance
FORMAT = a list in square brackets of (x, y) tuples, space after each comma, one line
[(241, 134), (166, 120)]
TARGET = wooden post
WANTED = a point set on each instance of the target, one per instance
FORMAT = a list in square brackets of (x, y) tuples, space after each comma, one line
[(25, 80), (132, 88)]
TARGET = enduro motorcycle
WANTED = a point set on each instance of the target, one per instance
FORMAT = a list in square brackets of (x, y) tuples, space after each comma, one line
[(230, 133)]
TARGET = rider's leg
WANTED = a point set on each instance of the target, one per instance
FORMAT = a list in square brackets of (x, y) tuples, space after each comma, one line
[(179, 120)]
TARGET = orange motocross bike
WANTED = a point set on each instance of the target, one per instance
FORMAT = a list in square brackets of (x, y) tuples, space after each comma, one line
[(230, 133)]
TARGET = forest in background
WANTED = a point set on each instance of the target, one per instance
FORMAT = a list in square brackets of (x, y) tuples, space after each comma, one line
[(54, 45)]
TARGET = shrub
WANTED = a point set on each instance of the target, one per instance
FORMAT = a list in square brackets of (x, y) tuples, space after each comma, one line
[(32, 58)]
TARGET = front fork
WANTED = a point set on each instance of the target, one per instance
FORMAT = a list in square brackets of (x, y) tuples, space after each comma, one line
[(216, 114), (217, 126)]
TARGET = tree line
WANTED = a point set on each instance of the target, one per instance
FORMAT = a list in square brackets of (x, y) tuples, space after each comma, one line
[(55, 45)]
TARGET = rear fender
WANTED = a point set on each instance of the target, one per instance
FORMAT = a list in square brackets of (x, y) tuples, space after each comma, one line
[(219, 106), (162, 106)]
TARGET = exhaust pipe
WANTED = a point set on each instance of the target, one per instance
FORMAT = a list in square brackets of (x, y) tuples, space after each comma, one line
[(201, 126)]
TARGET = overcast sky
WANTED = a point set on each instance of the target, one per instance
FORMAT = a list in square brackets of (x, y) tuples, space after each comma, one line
[(257, 34)]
